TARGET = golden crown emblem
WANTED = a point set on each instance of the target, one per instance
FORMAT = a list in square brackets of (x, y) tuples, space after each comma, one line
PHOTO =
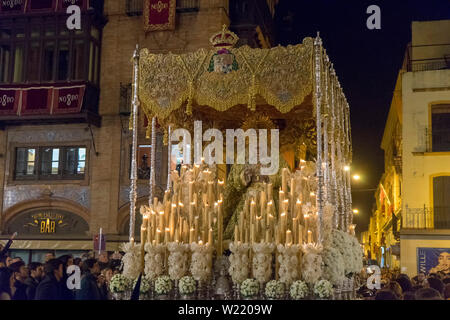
[(224, 38)]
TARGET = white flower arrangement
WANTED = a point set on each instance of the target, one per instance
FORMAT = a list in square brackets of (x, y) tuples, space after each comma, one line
[(163, 285), (119, 283), (299, 290), (311, 263), (201, 261), (249, 288), (187, 285), (145, 285), (154, 260), (323, 289), (239, 262), (131, 260), (262, 261), (288, 260), (274, 289), (333, 266), (178, 259)]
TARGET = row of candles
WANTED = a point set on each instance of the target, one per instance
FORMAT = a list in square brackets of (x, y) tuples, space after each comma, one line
[(190, 211), (193, 208), (259, 221)]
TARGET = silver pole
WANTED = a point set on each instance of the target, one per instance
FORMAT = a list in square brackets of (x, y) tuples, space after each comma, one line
[(152, 163), (169, 156), (318, 102), (135, 103)]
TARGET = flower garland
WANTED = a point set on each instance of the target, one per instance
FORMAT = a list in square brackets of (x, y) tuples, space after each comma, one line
[(154, 260), (201, 261), (239, 262), (323, 289), (163, 285), (312, 263), (262, 261), (288, 259), (299, 290), (131, 260), (333, 266), (274, 289), (119, 283), (249, 288), (187, 285), (178, 259), (349, 248)]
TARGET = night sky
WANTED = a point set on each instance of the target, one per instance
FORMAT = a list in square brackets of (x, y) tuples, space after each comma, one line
[(366, 62)]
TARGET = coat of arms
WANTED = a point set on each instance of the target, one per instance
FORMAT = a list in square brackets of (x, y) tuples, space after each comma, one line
[(223, 61)]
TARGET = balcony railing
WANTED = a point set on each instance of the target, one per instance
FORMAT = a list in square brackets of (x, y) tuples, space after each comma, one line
[(426, 218), (437, 63), (135, 7)]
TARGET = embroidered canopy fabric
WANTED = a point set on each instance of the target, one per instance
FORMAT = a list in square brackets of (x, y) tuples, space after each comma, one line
[(282, 76)]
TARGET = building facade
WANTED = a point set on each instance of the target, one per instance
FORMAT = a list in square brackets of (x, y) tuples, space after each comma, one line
[(417, 168), (65, 144)]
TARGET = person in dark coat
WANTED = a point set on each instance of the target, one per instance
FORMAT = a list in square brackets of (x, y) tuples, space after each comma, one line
[(20, 275), (50, 287), (36, 272), (67, 260), (89, 288)]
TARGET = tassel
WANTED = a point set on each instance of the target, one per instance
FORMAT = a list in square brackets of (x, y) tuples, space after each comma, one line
[(252, 95), (190, 98)]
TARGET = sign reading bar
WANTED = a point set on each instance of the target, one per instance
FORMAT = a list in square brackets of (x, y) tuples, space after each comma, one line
[(159, 15)]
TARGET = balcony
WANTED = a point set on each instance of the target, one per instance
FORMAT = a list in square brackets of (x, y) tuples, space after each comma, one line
[(426, 218), (73, 102), (436, 63)]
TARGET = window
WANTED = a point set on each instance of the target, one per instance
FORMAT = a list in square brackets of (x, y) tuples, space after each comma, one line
[(441, 202), (42, 49), (440, 127), (53, 163)]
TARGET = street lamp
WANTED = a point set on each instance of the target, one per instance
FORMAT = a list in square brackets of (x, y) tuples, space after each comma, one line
[(356, 177), (346, 168), (355, 211)]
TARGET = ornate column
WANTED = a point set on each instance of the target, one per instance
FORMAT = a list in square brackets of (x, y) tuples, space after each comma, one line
[(318, 104), (134, 122), (334, 195)]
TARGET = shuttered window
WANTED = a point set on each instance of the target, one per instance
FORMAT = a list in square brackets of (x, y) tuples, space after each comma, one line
[(441, 202), (440, 127)]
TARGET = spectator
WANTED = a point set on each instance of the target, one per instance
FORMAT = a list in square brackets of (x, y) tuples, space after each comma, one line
[(421, 279), (446, 280), (77, 261), (386, 294), (409, 295), (436, 284), (36, 274), (447, 291), (396, 289), (107, 274), (404, 282), (49, 256), (6, 283), (20, 272), (89, 287), (103, 260), (67, 294), (428, 294), (50, 287)]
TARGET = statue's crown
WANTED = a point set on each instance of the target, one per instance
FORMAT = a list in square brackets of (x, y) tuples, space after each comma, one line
[(224, 38)]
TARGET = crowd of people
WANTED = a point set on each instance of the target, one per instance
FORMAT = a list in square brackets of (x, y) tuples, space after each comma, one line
[(399, 286), (48, 280)]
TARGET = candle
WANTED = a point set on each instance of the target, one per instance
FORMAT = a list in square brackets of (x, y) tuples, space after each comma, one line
[(284, 179), (177, 238), (294, 230), (172, 219), (220, 227), (269, 191), (282, 224), (167, 236), (161, 220), (267, 235), (252, 210), (306, 216), (192, 235), (309, 236), (300, 234), (191, 212), (277, 237), (252, 233), (298, 208), (288, 237), (158, 236), (220, 186), (210, 237), (258, 227), (210, 192), (236, 234), (191, 190)]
